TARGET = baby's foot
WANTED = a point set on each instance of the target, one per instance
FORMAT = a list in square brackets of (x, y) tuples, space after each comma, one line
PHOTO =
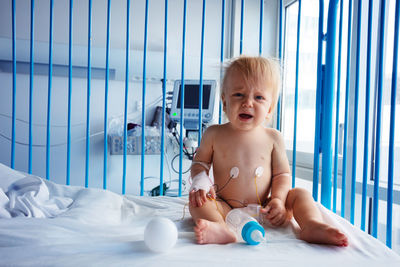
[(213, 233), (321, 233)]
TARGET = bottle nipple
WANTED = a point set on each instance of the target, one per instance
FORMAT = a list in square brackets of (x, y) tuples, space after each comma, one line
[(257, 236)]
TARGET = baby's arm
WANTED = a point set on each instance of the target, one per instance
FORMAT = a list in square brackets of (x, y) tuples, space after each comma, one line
[(275, 210), (199, 171)]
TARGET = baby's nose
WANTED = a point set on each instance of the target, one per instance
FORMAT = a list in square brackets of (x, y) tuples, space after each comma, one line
[(247, 102)]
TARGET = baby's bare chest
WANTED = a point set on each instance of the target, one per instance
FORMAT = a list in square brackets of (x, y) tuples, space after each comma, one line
[(246, 154)]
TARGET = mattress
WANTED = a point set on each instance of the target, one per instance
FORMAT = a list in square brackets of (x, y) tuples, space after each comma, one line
[(59, 225)]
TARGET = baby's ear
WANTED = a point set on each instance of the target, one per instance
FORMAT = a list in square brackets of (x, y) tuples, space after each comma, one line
[(223, 102), (270, 113)]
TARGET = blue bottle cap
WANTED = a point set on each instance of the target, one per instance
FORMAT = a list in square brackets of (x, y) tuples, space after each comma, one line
[(248, 229)]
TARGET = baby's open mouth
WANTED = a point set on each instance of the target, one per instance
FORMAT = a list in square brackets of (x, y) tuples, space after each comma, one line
[(245, 116)]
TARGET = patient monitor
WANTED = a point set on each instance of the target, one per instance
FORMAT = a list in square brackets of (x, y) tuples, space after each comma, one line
[(191, 102)]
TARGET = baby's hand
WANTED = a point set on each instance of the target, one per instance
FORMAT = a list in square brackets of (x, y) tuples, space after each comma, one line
[(199, 197), (275, 212)]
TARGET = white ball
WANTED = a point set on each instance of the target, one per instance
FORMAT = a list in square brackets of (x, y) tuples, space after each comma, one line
[(160, 234)]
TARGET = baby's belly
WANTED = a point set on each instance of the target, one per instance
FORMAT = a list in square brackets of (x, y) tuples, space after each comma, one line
[(239, 193)]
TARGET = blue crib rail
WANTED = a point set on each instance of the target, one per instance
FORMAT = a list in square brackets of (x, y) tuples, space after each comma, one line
[(164, 98), (182, 98), (378, 123), (88, 95), (329, 76), (144, 96), (389, 219), (367, 115), (296, 95), (107, 81), (50, 80), (68, 175), (31, 85)]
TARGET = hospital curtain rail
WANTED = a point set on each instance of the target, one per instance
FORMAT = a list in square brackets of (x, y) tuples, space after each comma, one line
[(234, 39)]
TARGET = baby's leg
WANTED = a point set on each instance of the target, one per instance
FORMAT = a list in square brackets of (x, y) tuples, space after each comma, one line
[(313, 228), (210, 223)]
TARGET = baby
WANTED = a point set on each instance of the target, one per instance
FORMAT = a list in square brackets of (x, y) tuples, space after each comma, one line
[(249, 162)]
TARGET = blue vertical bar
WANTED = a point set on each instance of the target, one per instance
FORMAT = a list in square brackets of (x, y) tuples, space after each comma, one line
[(241, 26), (296, 95), (128, 7), (31, 85), (381, 60), (355, 131), (164, 99), (71, 2), (89, 74), (14, 56), (317, 135), (327, 107), (261, 27), (366, 120), (392, 127), (182, 97), (346, 110), (144, 98), (49, 91), (278, 107), (201, 71), (335, 163), (106, 95), (221, 60)]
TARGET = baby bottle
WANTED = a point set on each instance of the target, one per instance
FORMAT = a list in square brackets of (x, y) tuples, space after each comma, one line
[(245, 226)]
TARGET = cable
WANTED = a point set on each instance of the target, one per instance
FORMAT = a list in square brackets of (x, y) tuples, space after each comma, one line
[(172, 165)]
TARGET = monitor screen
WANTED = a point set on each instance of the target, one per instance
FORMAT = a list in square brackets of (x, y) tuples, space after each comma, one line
[(191, 102), (192, 96)]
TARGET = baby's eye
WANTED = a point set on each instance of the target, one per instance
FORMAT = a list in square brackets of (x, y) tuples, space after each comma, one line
[(260, 97), (238, 94)]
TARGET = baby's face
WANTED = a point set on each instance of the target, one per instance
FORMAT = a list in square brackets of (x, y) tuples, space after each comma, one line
[(246, 104)]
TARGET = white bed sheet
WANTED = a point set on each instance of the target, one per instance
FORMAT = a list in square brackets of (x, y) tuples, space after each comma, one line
[(101, 228)]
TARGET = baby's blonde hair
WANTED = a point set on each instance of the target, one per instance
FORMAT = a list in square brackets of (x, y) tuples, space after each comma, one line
[(253, 69)]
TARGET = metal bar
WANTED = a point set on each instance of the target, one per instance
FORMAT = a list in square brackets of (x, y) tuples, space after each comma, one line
[(355, 130), (144, 99), (335, 163), (317, 135), (327, 107), (241, 27), (366, 120), (128, 7), (201, 71), (296, 95), (31, 84), (381, 60), (106, 95), (389, 212), (49, 90), (346, 111), (182, 97), (221, 59), (71, 3), (89, 74), (164, 82), (261, 27)]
